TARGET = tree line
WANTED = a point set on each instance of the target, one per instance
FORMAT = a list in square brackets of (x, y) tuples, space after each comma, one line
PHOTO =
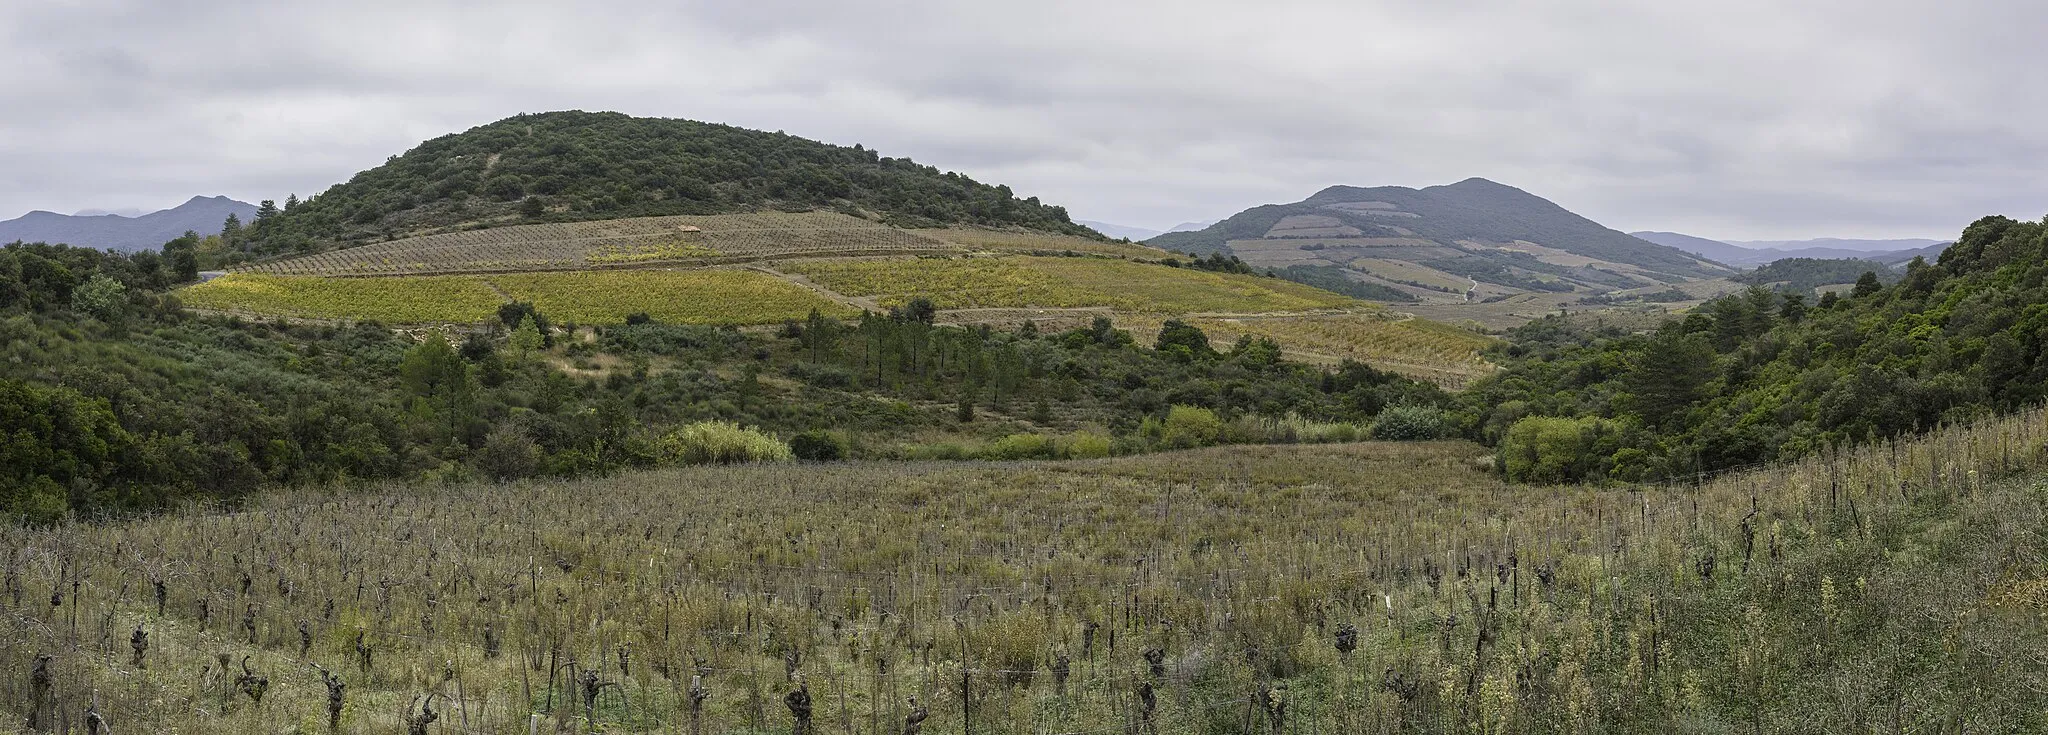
[(115, 399)]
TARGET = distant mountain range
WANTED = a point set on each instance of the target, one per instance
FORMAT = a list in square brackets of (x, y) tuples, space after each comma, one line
[(1116, 230), (1139, 233), (1473, 240), (1749, 253), (89, 228)]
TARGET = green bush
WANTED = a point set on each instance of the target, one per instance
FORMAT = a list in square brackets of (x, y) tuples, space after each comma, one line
[(1187, 427), (722, 442), (1022, 446), (1087, 445), (1409, 423), (1545, 449), (507, 454), (818, 446)]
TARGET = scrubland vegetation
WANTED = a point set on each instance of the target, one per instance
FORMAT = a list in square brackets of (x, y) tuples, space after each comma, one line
[(1764, 375)]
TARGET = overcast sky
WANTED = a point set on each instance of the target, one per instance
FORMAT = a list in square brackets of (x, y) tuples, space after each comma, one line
[(1736, 119)]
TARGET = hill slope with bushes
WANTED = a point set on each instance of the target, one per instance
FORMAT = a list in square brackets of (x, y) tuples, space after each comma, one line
[(570, 166), (1765, 375)]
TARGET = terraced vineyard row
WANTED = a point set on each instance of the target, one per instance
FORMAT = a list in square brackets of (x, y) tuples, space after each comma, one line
[(707, 296), (1021, 241), (408, 300), (1050, 282), (578, 245), (712, 296)]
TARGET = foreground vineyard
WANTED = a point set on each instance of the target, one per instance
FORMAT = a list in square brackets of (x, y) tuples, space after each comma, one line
[(1355, 588)]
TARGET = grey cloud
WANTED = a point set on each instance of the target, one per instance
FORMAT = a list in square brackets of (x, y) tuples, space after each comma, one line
[(1738, 119)]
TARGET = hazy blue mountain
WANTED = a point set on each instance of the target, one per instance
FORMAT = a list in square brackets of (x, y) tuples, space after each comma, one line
[(1930, 252), (124, 212), (1714, 250), (1116, 230), (1192, 226), (1837, 243), (1751, 253), (203, 215)]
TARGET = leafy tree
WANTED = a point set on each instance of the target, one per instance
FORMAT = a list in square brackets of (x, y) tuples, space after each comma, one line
[(1866, 285), (51, 439), (181, 258), (104, 298), (1793, 310), (526, 338), (1180, 338), (1669, 374), (919, 310), (433, 369)]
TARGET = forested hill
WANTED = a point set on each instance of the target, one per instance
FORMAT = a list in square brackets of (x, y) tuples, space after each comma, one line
[(561, 166), (1767, 375)]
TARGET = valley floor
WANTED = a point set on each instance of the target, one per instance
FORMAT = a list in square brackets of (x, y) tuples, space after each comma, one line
[(1290, 589)]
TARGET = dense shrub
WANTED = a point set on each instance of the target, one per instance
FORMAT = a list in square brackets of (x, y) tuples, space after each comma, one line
[(1023, 446), (722, 442), (817, 446), (1409, 423), (1087, 445), (507, 454), (1188, 426), (1546, 449)]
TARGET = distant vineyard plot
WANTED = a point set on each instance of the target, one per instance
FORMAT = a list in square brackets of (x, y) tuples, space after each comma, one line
[(396, 300), (1027, 241), (704, 296), (698, 296), (679, 240), (1048, 282)]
